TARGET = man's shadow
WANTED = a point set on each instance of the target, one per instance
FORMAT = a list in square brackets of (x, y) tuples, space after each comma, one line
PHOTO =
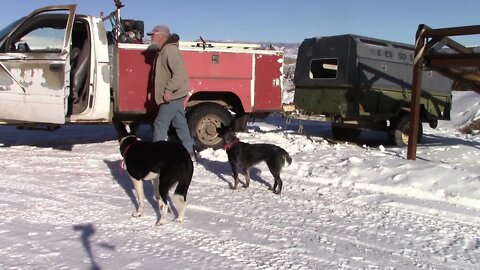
[(87, 231)]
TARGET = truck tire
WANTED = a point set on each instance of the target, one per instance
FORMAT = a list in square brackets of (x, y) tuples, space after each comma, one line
[(344, 133), (203, 121), (399, 131)]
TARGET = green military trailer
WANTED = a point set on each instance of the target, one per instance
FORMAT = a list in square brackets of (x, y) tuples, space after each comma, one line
[(359, 83)]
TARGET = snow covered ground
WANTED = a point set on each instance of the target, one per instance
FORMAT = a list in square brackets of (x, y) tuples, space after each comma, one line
[(66, 203)]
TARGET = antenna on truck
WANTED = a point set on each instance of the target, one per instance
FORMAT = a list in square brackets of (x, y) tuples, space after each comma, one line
[(204, 44)]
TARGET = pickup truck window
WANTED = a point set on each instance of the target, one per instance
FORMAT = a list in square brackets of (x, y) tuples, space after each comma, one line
[(41, 33), (9, 28), (43, 39)]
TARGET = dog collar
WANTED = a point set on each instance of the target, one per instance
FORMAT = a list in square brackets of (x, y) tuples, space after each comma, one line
[(227, 146), (126, 149)]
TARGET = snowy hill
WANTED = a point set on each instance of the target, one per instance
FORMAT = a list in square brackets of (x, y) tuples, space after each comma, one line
[(67, 204)]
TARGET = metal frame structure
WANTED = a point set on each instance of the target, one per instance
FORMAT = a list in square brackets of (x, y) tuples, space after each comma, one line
[(459, 63)]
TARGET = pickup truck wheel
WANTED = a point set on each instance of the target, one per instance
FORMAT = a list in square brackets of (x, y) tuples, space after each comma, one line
[(400, 129), (345, 134), (203, 121)]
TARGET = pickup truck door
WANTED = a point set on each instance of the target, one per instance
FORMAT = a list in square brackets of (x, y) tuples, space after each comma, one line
[(35, 68)]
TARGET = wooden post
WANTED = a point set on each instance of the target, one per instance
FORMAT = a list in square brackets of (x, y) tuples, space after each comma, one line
[(416, 94)]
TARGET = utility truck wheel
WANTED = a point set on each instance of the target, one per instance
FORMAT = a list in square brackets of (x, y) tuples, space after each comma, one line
[(203, 121), (400, 129), (344, 133)]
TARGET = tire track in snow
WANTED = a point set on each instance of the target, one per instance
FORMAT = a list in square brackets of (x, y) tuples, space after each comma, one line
[(376, 230), (311, 225)]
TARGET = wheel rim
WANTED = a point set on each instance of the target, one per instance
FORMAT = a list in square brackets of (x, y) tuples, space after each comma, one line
[(207, 130)]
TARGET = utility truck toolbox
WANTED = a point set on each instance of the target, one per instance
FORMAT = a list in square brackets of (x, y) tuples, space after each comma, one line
[(229, 70), (224, 77), (364, 83)]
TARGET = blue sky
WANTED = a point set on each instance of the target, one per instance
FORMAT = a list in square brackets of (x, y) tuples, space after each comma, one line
[(280, 20)]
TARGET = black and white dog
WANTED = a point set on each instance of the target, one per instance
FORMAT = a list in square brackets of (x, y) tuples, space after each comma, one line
[(243, 156), (166, 163)]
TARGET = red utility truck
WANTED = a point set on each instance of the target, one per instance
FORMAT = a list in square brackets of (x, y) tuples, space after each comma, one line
[(58, 67)]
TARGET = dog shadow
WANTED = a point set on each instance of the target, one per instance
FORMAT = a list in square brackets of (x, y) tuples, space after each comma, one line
[(255, 176), (121, 177), (221, 169)]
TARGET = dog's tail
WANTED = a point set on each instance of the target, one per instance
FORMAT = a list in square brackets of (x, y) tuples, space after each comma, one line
[(287, 157)]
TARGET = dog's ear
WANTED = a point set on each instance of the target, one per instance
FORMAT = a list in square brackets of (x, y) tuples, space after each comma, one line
[(228, 126), (121, 129)]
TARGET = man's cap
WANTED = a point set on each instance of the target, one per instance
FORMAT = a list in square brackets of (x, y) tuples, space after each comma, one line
[(160, 29)]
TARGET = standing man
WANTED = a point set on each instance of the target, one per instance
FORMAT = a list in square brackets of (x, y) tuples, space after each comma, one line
[(171, 88)]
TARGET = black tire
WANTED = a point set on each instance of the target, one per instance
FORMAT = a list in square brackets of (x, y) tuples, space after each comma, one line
[(399, 131), (203, 121), (344, 133)]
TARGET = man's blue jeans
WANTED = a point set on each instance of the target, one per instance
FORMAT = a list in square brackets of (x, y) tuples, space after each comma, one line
[(172, 112)]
